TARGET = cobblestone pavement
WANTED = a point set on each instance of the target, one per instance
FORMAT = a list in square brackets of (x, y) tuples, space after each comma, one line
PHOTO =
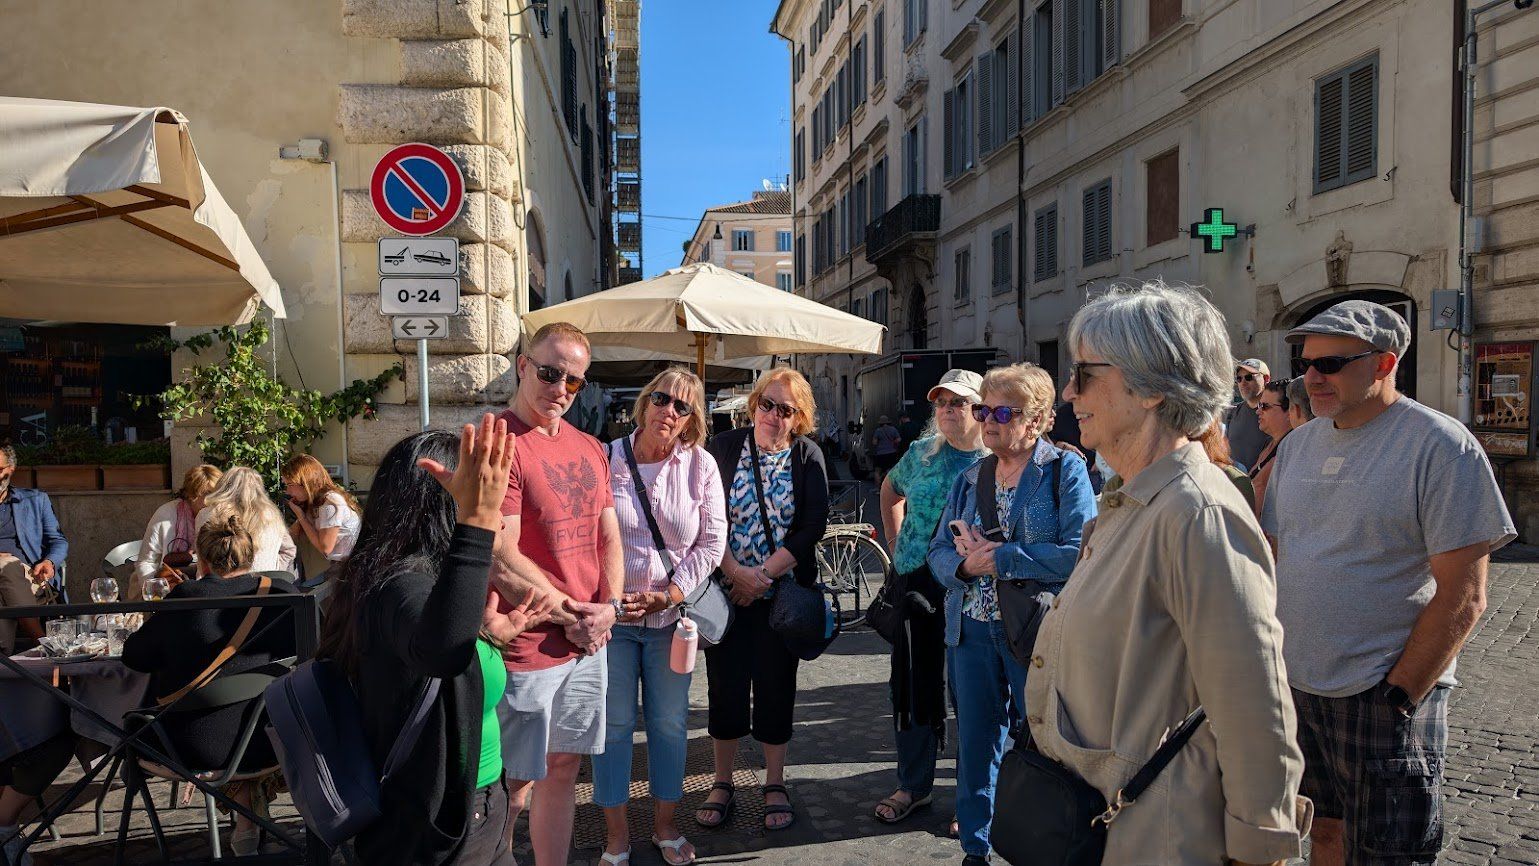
[(842, 762)]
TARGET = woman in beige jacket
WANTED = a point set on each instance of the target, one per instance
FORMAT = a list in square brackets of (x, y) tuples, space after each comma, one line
[(1171, 605)]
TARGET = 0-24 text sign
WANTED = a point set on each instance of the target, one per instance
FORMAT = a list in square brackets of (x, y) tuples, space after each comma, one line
[(419, 296)]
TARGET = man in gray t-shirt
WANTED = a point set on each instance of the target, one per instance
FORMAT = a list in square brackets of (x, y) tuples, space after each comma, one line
[(1242, 426), (1384, 514)]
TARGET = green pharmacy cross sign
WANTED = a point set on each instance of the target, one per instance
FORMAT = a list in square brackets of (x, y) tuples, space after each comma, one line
[(1213, 230)]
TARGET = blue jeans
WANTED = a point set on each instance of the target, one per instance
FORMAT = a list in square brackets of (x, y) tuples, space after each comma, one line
[(917, 748), (989, 688), (640, 655)]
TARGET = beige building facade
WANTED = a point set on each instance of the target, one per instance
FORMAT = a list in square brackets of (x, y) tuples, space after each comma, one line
[(752, 238), (516, 93)]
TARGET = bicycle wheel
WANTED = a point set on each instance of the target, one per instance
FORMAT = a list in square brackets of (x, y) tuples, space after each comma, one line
[(853, 566)]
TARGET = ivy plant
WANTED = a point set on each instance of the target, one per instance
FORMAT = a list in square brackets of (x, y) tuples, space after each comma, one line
[(259, 420)]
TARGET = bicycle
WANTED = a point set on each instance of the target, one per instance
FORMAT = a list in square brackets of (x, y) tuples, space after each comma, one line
[(851, 564)]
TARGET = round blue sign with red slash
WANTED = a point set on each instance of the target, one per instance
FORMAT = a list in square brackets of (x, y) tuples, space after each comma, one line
[(417, 189)]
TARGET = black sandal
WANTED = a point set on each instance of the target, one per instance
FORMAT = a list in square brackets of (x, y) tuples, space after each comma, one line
[(722, 809), (778, 810)]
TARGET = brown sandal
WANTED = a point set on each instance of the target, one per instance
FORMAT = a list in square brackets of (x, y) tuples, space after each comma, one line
[(900, 809)]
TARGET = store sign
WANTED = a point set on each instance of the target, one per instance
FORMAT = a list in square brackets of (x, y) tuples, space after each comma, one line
[(1213, 231), (1504, 393)]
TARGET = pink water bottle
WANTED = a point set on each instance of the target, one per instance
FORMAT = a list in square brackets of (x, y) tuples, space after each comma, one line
[(685, 639)]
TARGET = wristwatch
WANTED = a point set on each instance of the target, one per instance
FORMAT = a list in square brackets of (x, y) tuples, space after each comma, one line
[(1400, 699), (619, 608)]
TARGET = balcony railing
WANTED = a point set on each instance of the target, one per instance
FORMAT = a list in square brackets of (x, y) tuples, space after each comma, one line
[(916, 218)]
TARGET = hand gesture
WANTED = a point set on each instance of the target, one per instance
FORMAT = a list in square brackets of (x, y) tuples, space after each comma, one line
[(480, 481), (504, 626), (299, 510), (42, 572), (748, 586), (980, 562), (969, 540), (591, 630), (638, 605)]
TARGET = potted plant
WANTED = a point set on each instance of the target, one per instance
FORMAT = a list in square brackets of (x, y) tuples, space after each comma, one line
[(68, 461), (136, 465)]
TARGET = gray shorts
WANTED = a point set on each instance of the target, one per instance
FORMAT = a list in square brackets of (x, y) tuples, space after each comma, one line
[(555, 710)]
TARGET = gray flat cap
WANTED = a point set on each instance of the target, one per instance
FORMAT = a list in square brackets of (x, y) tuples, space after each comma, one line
[(1374, 324)]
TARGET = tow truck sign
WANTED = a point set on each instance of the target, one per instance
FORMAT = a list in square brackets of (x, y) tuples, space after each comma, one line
[(419, 257)]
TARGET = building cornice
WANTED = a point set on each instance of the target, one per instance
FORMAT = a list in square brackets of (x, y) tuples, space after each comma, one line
[(960, 44), (787, 14)]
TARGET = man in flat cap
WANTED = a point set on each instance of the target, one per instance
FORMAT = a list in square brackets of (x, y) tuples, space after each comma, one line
[(1385, 514)]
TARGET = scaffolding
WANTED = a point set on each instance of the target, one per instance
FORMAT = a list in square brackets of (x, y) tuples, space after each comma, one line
[(625, 97)]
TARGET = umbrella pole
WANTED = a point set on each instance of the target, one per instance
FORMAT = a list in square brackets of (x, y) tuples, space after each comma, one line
[(700, 341)]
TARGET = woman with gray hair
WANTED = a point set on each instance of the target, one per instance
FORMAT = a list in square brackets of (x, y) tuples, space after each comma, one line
[(1299, 410), (1019, 514), (1172, 606)]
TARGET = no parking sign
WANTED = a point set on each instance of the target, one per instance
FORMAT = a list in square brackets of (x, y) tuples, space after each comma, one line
[(417, 189)]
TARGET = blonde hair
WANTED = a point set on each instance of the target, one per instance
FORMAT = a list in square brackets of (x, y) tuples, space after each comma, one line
[(559, 330), (694, 432), (198, 481), (243, 492), (1027, 383), (225, 544), (311, 474), (806, 420)]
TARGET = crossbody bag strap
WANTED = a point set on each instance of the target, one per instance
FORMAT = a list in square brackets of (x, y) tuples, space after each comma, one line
[(230, 649), (758, 489), (646, 506), (411, 731), (988, 504), (1155, 765)]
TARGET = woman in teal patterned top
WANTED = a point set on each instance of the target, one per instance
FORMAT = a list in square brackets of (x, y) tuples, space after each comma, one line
[(913, 497)]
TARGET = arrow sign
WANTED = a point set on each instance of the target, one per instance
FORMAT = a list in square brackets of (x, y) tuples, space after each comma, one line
[(419, 327)]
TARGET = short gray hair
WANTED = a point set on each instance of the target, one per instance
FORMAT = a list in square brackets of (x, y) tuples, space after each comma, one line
[(1298, 395), (1168, 341)]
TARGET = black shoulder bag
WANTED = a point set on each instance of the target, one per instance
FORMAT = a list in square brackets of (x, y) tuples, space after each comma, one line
[(1046, 815), (799, 614), (707, 605), (1022, 603)]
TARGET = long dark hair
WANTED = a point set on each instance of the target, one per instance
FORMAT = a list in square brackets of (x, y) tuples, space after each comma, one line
[(407, 522)]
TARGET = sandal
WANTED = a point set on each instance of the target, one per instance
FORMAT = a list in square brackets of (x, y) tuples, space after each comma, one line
[(615, 859), (778, 810), (900, 809), (674, 845), (724, 810)]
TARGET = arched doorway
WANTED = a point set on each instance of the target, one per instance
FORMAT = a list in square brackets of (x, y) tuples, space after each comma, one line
[(536, 263), (918, 323), (1405, 373)]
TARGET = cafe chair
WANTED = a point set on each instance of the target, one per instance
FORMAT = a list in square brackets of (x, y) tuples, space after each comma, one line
[(125, 554), (243, 690)]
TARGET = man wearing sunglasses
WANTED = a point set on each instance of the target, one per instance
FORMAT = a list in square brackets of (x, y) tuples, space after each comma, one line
[(1384, 514), (1246, 439), (560, 540)]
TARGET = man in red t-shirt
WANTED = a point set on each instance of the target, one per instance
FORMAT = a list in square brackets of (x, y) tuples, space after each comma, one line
[(560, 540)]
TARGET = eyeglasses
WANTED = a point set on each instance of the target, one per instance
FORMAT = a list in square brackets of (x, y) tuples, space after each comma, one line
[(1000, 414), (661, 399), (951, 403), (1246, 377), (784, 410), (1262, 407), (1078, 375), (1330, 364), (553, 375)]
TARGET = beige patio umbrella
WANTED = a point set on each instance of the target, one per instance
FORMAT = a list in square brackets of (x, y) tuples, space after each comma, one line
[(711, 314), (106, 215)]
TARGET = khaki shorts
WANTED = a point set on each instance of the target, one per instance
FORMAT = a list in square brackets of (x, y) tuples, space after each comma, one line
[(557, 710)]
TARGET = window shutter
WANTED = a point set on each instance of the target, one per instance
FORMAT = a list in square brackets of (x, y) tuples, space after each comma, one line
[(1111, 33), (1060, 80), (1329, 103), (1023, 62), (1073, 45), (879, 46), (1362, 121), (948, 134), (1088, 232), (1103, 219), (1012, 72), (924, 15), (985, 77)]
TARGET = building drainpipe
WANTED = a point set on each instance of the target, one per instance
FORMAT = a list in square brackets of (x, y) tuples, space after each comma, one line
[(1020, 189)]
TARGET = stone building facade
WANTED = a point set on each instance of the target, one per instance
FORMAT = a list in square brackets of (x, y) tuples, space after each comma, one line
[(751, 237), (517, 93)]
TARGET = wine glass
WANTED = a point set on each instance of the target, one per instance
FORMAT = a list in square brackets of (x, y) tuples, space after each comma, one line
[(104, 590), (156, 588)]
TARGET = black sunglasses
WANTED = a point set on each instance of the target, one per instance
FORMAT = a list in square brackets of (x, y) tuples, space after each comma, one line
[(661, 399), (1246, 377), (553, 375), (1000, 414), (784, 410), (1077, 372), (1330, 364)]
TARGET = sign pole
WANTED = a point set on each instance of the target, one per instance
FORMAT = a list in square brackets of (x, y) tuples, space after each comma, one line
[(422, 381)]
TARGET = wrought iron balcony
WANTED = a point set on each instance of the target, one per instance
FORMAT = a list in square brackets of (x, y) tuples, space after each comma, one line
[(912, 221)]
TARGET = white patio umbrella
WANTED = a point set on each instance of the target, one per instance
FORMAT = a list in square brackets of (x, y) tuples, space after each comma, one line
[(710, 313), (106, 215)]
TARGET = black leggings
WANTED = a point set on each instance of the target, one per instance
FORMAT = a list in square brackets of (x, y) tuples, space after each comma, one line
[(751, 680), (32, 771)]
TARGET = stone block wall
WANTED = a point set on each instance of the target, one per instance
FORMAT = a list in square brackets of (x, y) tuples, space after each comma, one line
[(453, 91)]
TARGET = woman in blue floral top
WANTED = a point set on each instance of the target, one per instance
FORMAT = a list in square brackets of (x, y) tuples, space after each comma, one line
[(751, 674), (912, 499), (1042, 510)]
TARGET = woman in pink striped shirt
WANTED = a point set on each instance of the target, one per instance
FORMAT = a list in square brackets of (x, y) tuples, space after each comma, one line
[(682, 485)]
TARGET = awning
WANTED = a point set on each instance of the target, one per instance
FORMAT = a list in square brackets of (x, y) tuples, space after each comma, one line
[(106, 215)]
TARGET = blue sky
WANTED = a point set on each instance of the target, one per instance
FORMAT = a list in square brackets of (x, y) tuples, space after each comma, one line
[(715, 88)]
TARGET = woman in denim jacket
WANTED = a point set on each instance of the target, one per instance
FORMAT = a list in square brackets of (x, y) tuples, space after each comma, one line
[(1041, 537)]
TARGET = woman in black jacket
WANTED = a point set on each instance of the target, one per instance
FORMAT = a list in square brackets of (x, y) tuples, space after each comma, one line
[(411, 601), (751, 674)]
